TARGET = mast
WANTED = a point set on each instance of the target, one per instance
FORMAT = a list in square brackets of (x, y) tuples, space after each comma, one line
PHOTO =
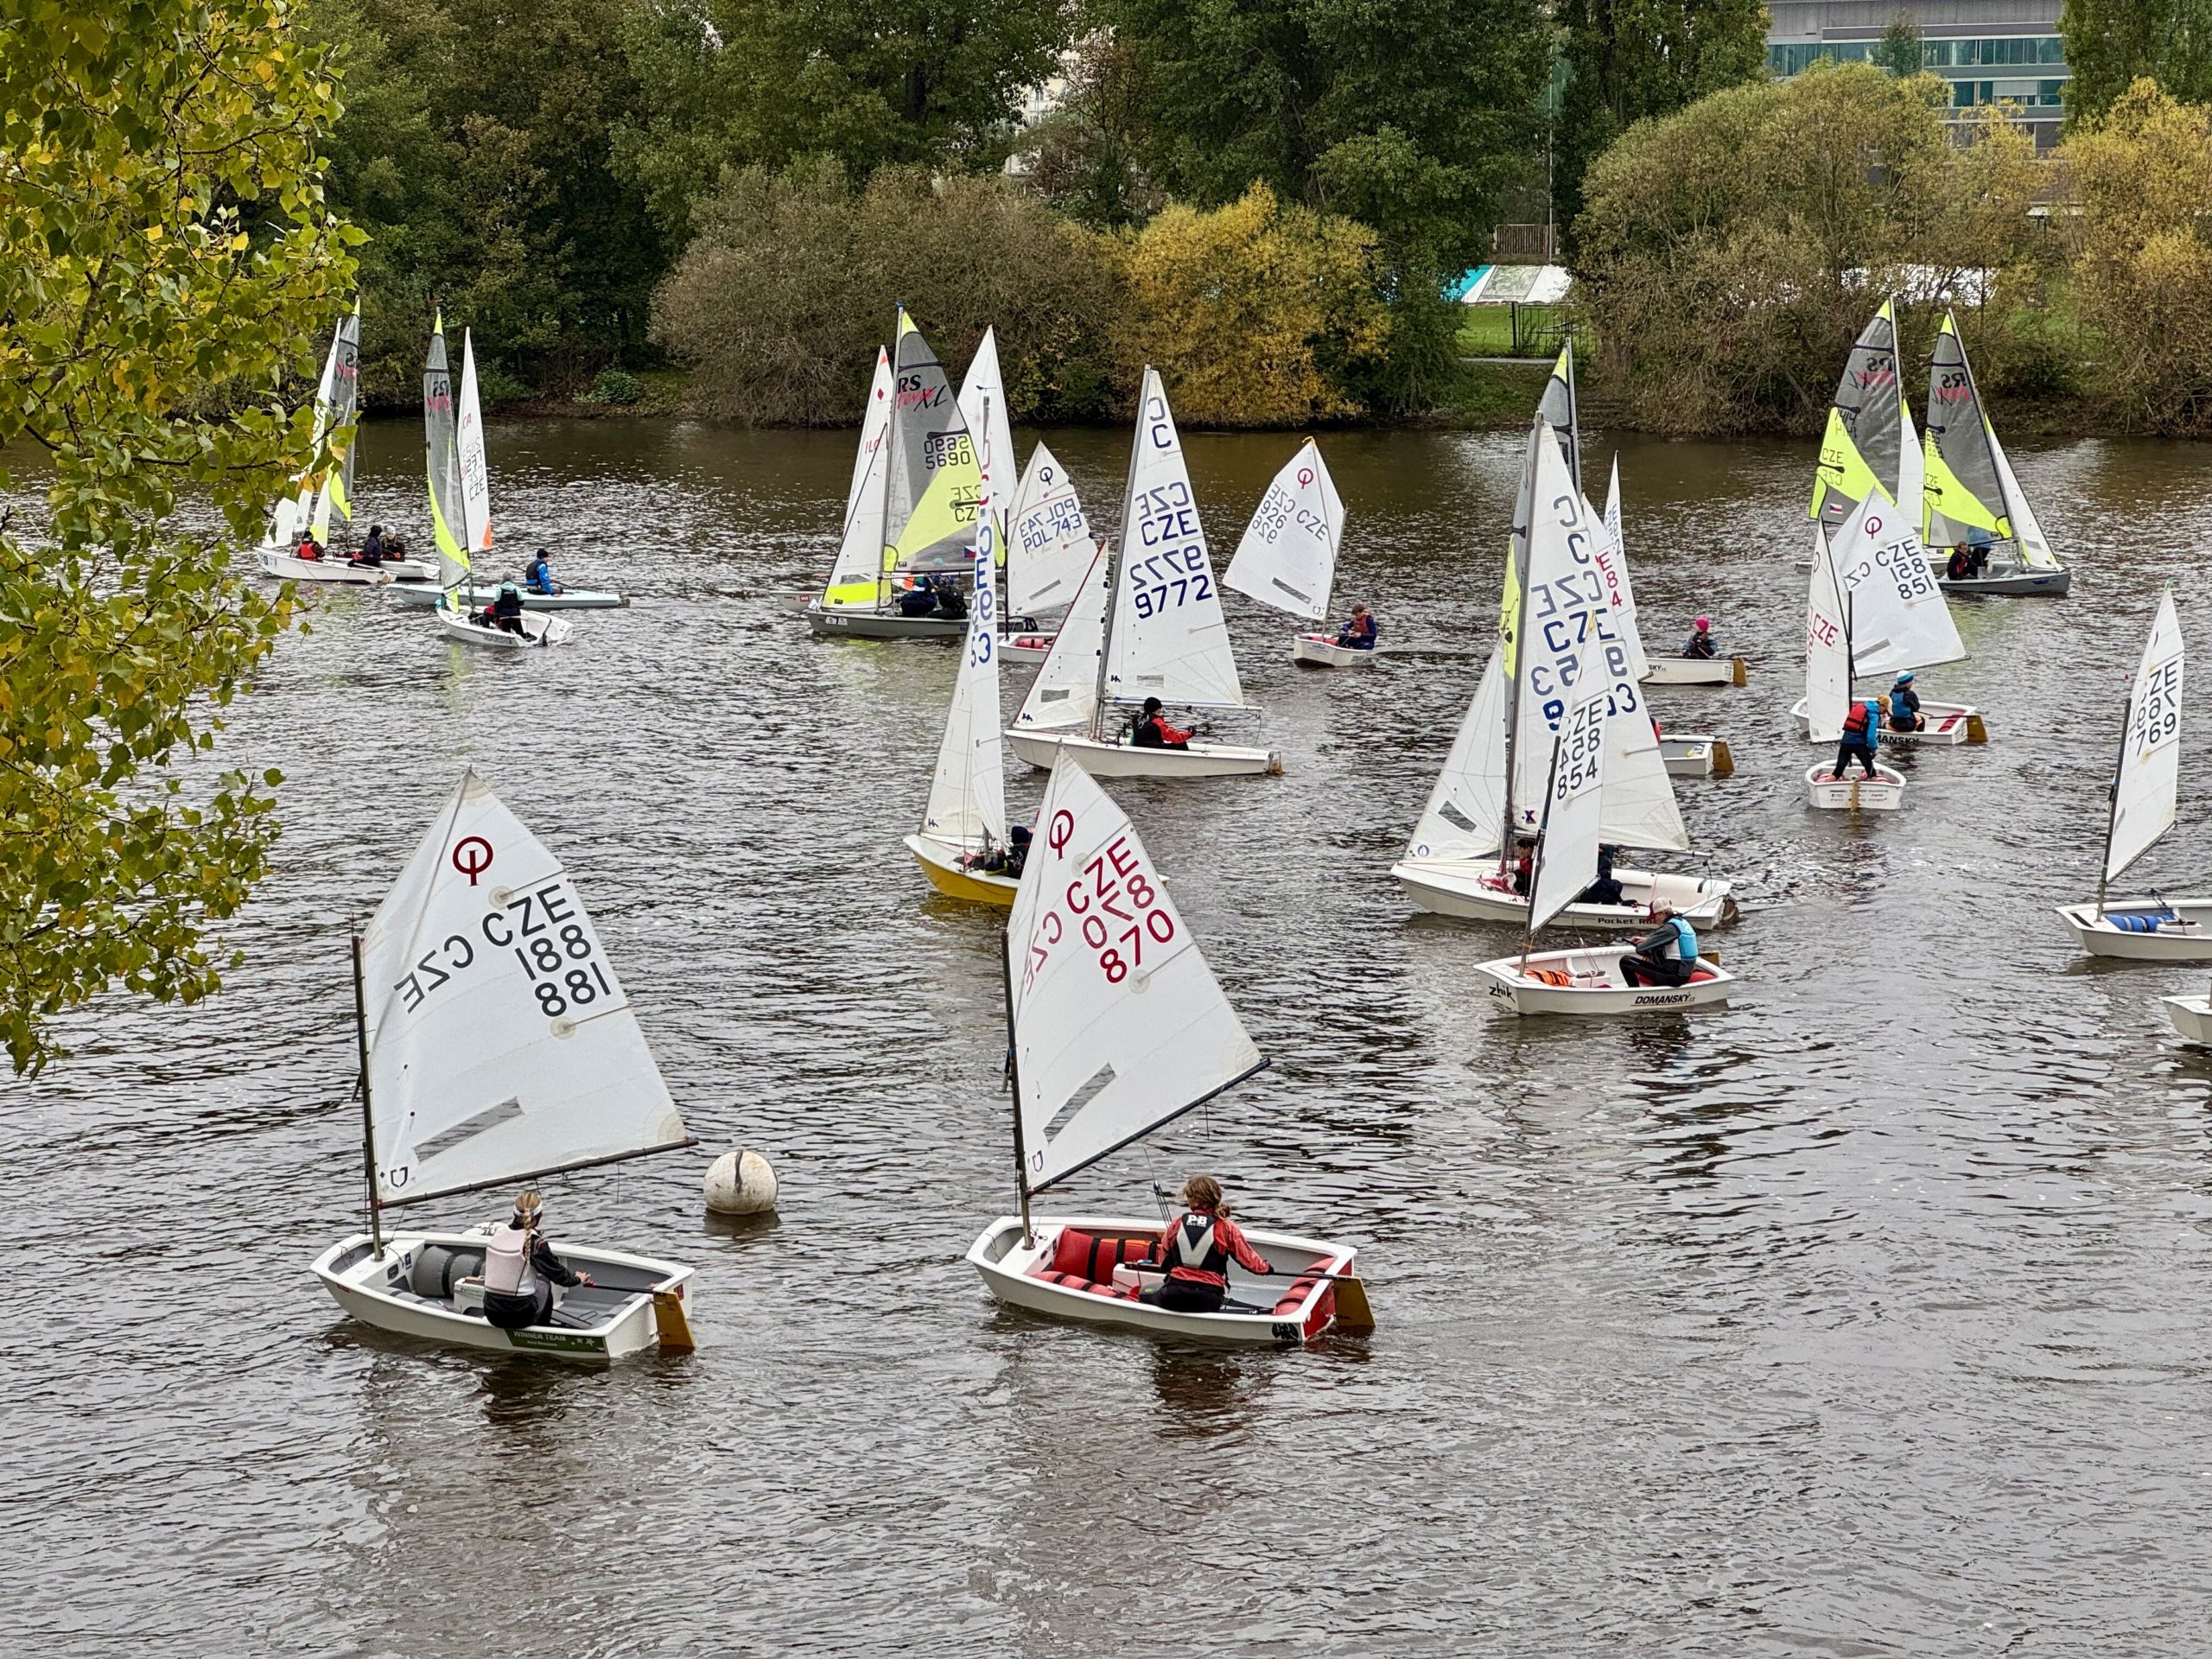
[(1574, 421), (1113, 573), (1524, 508), (1013, 1083), (1536, 864), (368, 1110), (2112, 801), (890, 447)]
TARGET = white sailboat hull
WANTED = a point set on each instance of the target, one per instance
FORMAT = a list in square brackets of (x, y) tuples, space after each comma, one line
[(1697, 755), (2141, 930), (539, 629), (1027, 646), (1943, 723), (608, 1322), (569, 599), (2191, 1016), (1321, 651), (1286, 1311), (1591, 982), (859, 624), (280, 566), (1696, 671), (1040, 749), (1883, 792), (1476, 891), (2008, 581)]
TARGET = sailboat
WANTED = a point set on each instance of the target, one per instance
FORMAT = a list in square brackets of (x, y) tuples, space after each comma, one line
[(1581, 981), (496, 1046), (1049, 549), (1114, 1028), (2146, 778), (916, 505), (1288, 556), (1460, 862), (324, 502), (1830, 648), (460, 502), (1161, 634), (859, 556), (965, 822), (1900, 619), (1971, 499)]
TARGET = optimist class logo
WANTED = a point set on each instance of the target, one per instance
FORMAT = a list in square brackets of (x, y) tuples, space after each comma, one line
[(472, 857)]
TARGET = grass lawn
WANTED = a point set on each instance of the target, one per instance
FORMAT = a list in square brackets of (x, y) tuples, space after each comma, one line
[(1487, 331)]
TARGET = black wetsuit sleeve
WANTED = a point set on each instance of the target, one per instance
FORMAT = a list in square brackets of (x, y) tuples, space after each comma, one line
[(543, 1259)]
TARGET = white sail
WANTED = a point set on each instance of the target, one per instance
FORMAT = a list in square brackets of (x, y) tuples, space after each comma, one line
[(1612, 567), (2150, 756), (1828, 642), (983, 406), (1899, 619), (1065, 694), (1567, 861), (468, 437), (1118, 1023), (854, 578), (2034, 547), (1288, 558), (1912, 465), (501, 1044), (1568, 628), (1468, 804), (1049, 545), (314, 500), (1168, 639), (968, 795)]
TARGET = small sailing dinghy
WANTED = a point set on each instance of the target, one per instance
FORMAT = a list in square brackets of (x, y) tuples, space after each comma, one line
[(479, 595), (461, 503), (1287, 556), (324, 504), (2146, 780), (1829, 648), (496, 1046), (1461, 860), (965, 820), (1581, 981), (1161, 634), (1971, 499), (914, 512), (1111, 1032), (1697, 671), (1049, 549), (1696, 756), (2191, 1016)]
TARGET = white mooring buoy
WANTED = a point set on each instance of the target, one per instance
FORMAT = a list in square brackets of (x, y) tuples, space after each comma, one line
[(740, 1183)]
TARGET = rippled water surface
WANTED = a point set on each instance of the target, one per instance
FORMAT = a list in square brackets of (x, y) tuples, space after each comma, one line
[(1866, 1317)]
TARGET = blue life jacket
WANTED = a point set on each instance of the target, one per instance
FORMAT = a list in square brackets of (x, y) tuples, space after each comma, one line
[(539, 577), (1685, 940)]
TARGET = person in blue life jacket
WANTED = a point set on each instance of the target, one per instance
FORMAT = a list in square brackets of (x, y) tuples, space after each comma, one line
[(537, 575), (1358, 633), (1904, 706), (1665, 955), (1862, 727)]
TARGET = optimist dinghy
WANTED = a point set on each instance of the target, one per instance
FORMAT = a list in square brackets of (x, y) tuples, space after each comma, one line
[(496, 1046), (1696, 756), (1288, 558), (1160, 633), (1971, 498), (1111, 1032), (461, 503), (1687, 754), (1049, 551), (2146, 781), (1460, 859), (1696, 671), (2191, 1016), (1829, 649)]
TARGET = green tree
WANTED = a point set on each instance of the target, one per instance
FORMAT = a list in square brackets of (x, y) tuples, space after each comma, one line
[(163, 245), (1081, 157), (2111, 43), (1629, 59), (1899, 50)]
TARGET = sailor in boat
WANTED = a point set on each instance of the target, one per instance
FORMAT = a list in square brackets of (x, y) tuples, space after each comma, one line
[(537, 575), (1666, 956), (1152, 730), (1904, 706), (309, 548), (503, 612), (1524, 864), (520, 1269), (372, 550), (1699, 644), (1008, 861), (1970, 558), (1862, 726), (1606, 889), (1358, 633), (1197, 1248)]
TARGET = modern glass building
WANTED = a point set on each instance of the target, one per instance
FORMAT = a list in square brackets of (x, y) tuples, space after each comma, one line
[(1990, 51)]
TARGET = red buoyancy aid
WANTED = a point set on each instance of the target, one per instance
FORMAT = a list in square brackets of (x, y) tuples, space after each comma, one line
[(1196, 1251), (1854, 720)]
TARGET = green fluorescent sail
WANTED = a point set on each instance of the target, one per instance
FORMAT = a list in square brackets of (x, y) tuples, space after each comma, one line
[(1964, 495)]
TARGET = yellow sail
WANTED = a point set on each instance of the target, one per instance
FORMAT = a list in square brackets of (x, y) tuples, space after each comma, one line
[(1842, 469), (1943, 493)]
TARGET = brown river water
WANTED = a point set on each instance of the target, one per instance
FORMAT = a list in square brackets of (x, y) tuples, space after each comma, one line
[(1869, 1316)]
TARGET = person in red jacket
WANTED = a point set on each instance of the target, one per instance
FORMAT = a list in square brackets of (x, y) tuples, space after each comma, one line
[(1197, 1249), (1153, 731)]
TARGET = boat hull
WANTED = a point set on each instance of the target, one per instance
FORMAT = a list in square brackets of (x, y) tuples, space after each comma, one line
[(1026, 647), (539, 629), (1320, 650), (1286, 1311), (1697, 755), (1944, 724), (2187, 937), (834, 624), (1039, 748), (1594, 985), (615, 1320), (2191, 1016), (940, 862), (282, 567), (1883, 792), (1695, 671), (573, 598), (1473, 892), (2019, 584)]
